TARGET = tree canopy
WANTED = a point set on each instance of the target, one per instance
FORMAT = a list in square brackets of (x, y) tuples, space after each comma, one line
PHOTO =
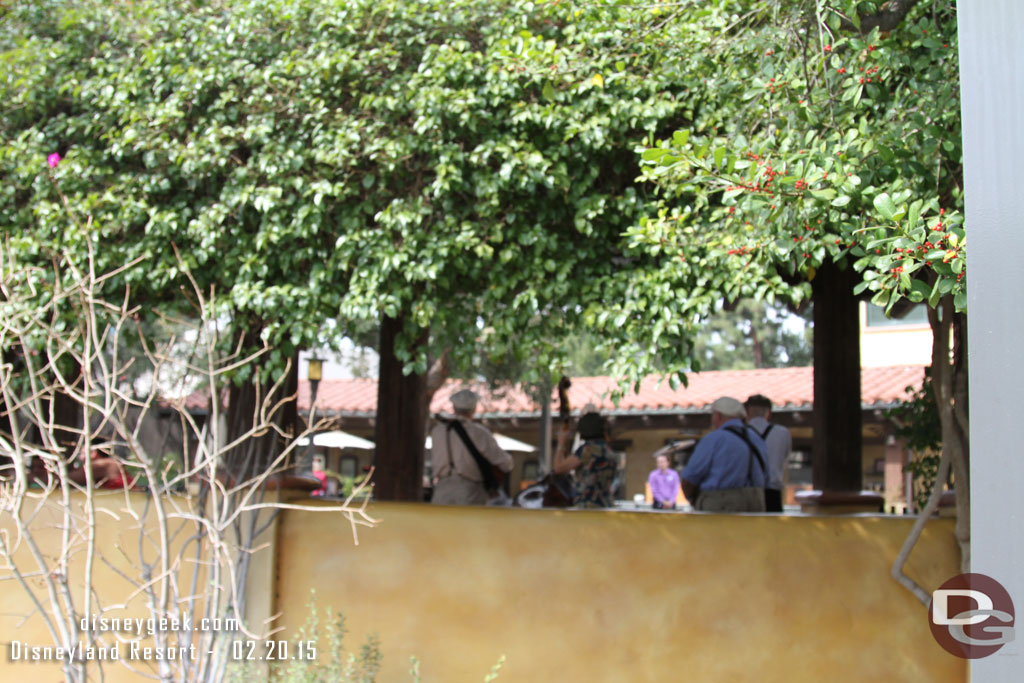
[(469, 163), (816, 133)]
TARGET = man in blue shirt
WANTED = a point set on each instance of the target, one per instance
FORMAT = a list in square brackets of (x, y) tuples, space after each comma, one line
[(726, 472)]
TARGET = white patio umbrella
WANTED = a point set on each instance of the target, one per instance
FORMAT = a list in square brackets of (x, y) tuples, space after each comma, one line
[(338, 439), (507, 443)]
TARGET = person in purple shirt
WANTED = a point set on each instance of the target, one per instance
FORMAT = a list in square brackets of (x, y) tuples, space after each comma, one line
[(664, 483)]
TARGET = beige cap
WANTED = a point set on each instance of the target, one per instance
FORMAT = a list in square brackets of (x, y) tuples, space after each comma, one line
[(729, 407), (465, 400)]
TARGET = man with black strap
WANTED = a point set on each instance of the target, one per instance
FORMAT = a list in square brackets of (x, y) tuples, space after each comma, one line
[(778, 444), (462, 476), (726, 472)]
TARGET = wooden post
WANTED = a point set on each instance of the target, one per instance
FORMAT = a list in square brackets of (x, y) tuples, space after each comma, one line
[(837, 445)]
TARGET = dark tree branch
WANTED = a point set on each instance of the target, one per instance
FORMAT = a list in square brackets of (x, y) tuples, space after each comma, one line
[(887, 18)]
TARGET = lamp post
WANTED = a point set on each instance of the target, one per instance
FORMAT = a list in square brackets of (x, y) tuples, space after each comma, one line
[(314, 373)]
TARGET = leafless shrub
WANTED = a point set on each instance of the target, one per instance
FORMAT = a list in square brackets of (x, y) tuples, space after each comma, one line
[(196, 525)]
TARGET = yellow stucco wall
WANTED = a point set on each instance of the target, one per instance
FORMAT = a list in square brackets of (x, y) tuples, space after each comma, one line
[(125, 538), (576, 595), (613, 596)]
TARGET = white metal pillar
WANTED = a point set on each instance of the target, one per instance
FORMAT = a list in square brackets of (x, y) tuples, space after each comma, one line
[(992, 78)]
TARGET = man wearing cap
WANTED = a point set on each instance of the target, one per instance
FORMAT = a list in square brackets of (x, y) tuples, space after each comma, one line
[(726, 472), (459, 479), (778, 444)]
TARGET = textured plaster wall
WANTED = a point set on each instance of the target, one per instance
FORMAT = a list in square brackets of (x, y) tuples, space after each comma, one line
[(125, 537), (614, 596), (575, 595)]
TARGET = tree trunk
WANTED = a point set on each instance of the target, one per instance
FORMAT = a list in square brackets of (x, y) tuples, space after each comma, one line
[(756, 346), (400, 430), (949, 382), (837, 445), (438, 374), (248, 405)]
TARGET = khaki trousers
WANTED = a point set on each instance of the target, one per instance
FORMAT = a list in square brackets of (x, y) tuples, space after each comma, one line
[(747, 499), (455, 490)]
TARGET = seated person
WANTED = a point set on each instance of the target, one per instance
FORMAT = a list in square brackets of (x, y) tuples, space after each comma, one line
[(107, 471), (321, 476)]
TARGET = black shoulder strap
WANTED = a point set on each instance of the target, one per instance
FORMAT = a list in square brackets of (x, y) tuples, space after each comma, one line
[(754, 453), (490, 483), (764, 434)]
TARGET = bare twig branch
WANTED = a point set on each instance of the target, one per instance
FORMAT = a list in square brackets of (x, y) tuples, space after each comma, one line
[(197, 524)]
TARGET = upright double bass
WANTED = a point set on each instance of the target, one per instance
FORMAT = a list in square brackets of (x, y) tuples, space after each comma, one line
[(564, 409)]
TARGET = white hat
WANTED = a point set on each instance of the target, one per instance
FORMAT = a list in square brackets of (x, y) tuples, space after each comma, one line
[(727, 406), (464, 400)]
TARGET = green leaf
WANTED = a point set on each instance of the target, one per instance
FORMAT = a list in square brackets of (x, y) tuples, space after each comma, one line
[(921, 287), (719, 156), (841, 201), (936, 294), (914, 213), (885, 206)]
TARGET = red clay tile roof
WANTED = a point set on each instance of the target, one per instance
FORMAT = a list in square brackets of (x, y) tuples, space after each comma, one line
[(788, 388)]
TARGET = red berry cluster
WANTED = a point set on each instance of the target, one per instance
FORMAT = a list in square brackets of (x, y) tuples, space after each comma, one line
[(868, 74), (800, 185), (769, 174), (921, 250)]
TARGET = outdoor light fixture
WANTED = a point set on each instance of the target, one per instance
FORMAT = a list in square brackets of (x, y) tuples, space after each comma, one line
[(314, 373), (315, 369)]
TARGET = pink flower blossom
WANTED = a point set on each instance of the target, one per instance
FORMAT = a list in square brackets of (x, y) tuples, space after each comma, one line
[(53, 160)]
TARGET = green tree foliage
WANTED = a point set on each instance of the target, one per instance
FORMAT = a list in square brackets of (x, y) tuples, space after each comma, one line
[(460, 170), (447, 161), (808, 141)]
